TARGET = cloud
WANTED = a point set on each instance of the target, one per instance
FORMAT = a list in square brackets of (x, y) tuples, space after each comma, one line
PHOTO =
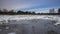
[(29, 4), (46, 10), (16, 4)]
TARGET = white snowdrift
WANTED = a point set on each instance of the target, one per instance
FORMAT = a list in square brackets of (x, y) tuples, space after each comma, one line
[(29, 17)]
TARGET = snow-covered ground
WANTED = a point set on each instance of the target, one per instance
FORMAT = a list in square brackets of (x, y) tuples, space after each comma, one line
[(29, 17), (32, 24)]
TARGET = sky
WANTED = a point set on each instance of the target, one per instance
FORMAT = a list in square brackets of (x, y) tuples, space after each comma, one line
[(29, 5)]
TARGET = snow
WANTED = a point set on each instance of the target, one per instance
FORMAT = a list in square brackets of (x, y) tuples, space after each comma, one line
[(33, 24), (11, 33), (29, 17)]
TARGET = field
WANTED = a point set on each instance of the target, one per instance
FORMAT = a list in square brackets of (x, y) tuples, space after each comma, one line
[(29, 24)]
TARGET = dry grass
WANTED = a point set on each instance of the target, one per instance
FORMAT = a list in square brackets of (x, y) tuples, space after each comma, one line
[(54, 21)]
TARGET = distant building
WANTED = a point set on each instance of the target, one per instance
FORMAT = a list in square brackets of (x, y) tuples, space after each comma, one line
[(59, 10), (51, 11)]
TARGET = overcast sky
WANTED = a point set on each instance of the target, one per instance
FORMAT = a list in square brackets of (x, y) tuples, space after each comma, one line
[(31, 5)]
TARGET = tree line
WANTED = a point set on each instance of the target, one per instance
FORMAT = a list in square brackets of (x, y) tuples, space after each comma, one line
[(19, 12), (12, 12)]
